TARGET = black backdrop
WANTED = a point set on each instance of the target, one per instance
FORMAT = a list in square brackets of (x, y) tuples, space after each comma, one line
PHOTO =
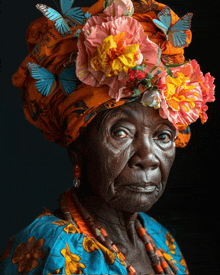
[(34, 171)]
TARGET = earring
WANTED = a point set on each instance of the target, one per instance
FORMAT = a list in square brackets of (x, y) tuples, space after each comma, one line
[(76, 175)]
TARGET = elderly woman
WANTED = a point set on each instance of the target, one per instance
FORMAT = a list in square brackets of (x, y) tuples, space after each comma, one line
[(110, 84)]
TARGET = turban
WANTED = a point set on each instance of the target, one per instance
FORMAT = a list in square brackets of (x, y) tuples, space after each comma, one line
[(61, 117)]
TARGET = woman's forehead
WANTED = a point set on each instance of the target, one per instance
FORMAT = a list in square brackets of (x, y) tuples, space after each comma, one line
[(136, 113)]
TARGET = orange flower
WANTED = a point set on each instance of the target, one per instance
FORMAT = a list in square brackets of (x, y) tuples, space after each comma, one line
[(26, 255), (46, 212), (6, 252)]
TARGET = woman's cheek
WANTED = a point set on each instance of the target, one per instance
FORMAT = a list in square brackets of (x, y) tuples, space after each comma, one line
[(165, 166), (114, 155)]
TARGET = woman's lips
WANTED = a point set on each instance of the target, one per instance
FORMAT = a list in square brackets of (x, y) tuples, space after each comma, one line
[(143, 188)]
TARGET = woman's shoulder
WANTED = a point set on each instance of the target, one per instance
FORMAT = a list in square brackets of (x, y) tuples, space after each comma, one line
[(40, 246), (50, 245), (165, 241)]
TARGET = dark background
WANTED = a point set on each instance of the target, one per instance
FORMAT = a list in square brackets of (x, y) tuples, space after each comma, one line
[(34, 171)]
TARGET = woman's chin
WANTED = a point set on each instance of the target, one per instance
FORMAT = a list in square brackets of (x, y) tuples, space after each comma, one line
[(134, 202)]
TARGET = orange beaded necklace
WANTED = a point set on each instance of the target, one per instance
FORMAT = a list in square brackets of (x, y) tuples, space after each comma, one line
[(75, 213)]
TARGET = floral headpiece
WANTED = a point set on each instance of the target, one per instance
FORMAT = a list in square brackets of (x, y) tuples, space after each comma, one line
[(86, 60), (114, 50)]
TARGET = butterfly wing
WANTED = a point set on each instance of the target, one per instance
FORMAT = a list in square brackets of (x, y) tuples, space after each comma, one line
[(76, 15), (62, 27), (67, 79), (46, 82), (177, 34), (50, 13), (65, 5), (177, 39), (59, 22), (164, 21), (161, 26), (183, 24), (87, 15)]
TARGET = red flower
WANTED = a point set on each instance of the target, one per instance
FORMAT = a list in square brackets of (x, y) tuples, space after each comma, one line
[(140, 75), (161, 85), (131, 74)]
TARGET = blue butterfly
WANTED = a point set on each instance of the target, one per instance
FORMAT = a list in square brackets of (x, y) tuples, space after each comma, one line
[(177, 33), (46, 82), (68, 17)]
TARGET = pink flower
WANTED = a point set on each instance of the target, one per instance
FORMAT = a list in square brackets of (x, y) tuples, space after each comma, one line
[(185, 96), (182, 98), (119, 8), (207, 86), (105, 55)]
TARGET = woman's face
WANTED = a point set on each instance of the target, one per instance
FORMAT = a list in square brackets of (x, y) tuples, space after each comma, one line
[(129, 154)]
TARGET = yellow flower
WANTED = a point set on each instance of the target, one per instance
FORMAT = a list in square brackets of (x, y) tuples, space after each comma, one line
[(61, 222), (69, 228), (109, 256), (183, 263), (121, 259), (90, 246), (112, 57), (178, 93), (170, 243), (72, 265)]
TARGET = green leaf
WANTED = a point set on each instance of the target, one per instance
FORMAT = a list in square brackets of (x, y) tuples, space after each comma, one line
[(153, 68), (138, 68), (174, 65), (169, 72)]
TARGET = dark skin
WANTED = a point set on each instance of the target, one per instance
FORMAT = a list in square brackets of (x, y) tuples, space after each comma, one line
[(127, 154)]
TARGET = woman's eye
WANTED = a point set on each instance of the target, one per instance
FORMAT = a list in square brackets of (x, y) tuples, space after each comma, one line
[(163, 137), (120, 134)]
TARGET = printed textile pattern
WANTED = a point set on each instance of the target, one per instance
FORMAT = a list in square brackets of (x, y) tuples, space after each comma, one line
[(50, 245)]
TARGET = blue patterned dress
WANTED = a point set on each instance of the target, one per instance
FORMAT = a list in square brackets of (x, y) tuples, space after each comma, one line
[(50, 245)]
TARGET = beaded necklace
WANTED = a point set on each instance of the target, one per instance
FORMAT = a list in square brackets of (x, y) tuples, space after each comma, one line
[(76, 214)]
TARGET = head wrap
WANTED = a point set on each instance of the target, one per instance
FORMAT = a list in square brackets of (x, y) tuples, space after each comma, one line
[(141, 52)]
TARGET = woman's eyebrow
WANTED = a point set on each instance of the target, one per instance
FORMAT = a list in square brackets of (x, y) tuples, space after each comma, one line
[(170, 126), (126, 113)]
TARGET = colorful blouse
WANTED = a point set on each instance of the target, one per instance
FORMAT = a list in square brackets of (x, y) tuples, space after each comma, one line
[(50, 245)]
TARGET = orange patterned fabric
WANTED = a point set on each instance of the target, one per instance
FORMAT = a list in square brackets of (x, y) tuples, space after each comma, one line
[(62, 118)]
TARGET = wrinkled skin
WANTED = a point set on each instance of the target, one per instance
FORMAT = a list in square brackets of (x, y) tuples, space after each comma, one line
[(127, 154)]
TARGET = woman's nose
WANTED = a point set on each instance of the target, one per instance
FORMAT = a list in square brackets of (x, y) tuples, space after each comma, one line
[(145, 155)]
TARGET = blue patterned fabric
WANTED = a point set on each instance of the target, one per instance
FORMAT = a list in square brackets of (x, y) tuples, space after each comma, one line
[(53, 246)]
